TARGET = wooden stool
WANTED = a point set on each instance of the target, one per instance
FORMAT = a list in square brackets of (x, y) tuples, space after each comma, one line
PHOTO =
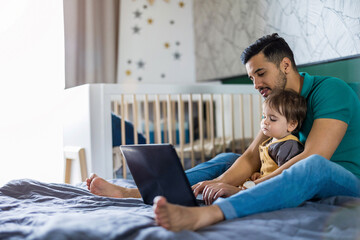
[(73, 154)]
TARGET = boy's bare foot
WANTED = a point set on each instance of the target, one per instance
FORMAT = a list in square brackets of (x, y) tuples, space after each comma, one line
[(177, 218), (101, 187)]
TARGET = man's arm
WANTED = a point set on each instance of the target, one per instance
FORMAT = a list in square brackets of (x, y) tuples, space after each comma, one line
[(324, 137)]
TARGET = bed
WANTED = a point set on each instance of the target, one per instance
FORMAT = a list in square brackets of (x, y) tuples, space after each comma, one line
[(31, 209), (37, 210)]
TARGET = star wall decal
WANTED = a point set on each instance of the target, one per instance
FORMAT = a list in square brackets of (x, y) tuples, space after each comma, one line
[(181, 4), (151, 2), (136, 29), (177, 56), (137, 14), (140, 64), (166, 45), (150, 21), (128, 72)]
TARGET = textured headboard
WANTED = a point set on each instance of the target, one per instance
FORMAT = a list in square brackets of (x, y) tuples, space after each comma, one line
[(345, 69)]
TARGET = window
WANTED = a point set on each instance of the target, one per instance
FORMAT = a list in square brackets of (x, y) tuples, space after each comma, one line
[(32, 82)]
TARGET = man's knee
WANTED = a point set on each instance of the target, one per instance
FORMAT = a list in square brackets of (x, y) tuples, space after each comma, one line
[(315, 161), (226, 157), (228, 154), (310, 166)]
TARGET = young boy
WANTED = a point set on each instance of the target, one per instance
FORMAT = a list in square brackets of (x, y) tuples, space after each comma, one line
[(283, 113)]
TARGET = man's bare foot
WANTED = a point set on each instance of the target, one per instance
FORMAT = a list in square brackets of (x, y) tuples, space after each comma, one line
[(101, 187), (177, 218)]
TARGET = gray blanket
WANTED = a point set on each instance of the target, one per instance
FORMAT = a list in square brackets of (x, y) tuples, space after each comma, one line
[(34, 210)]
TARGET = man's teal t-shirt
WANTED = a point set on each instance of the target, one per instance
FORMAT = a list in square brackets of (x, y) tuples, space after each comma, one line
[(329, 97)]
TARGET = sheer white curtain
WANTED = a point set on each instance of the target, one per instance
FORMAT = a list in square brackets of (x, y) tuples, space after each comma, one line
[(91, 41)]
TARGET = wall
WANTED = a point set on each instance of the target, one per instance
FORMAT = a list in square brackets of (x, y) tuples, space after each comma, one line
[(156, 42), (316, 30)]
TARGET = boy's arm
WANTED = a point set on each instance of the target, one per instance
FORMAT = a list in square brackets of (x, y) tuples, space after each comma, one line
[(324, 137)]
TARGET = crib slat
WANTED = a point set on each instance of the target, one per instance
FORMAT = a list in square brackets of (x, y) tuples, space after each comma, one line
[(135, 117), (191, 131), (181, 128), (222, 122), (169, 119), (154, 121), (232, 123), (158, 125), (207, 121), (173, 122), (146, 110), (212, 132), (123, 138), (241, 101), (201, 128), (165, 132)]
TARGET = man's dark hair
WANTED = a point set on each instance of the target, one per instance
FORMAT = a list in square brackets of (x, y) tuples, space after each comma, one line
[(273, 47), (289, 104)]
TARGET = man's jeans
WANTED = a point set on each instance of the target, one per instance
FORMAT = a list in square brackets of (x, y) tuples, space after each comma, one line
[(313, 177)]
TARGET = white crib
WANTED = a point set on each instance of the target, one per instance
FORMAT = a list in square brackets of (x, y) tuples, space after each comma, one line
[(199, 120)]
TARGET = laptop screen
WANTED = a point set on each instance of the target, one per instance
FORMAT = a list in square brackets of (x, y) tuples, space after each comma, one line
[(157, 171)]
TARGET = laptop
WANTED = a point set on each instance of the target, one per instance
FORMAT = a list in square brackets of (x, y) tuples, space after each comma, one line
[(157, 171)]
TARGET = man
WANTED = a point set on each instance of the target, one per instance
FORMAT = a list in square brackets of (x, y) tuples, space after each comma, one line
[(328, 166)]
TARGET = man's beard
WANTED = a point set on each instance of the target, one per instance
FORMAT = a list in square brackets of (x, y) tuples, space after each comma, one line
[(281, 81)]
